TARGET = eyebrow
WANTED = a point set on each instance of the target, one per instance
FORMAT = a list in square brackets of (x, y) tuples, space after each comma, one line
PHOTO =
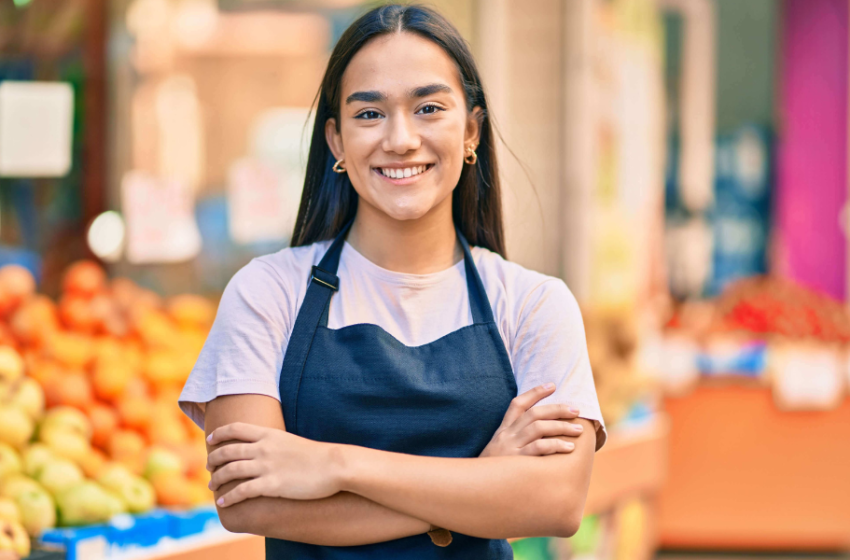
[(375, 96)]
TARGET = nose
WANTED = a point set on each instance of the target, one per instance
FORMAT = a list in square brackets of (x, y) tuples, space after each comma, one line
[(401, 135)]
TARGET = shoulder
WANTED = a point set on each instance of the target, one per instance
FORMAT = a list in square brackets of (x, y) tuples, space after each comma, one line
[(524, 288), (286, 269)]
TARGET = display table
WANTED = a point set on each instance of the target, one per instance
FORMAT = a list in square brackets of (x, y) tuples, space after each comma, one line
[(745, 475)]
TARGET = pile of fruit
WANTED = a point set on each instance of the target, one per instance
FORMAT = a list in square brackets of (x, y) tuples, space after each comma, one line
[(89, 421), (766, 307)]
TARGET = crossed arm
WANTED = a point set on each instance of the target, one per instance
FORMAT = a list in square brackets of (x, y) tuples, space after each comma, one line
[(385, 496)]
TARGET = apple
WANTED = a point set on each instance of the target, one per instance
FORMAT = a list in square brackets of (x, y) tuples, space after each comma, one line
[(18, 535), (16, 427), (137, 493), (10, 462), (59, 475), (11, 365), (163, 461), (87, 502), (38, 511), (35, 457), (64, 442), (69, 418), (9, 510), (29, 397), (17, 484)]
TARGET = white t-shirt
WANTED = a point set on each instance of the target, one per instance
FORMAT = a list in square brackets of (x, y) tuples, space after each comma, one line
[(537, 315)]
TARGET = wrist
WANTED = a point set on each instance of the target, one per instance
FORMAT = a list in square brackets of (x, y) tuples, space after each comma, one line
[(343, 459)]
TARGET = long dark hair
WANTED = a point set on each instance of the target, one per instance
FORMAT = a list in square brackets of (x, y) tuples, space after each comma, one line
[(329, 201)]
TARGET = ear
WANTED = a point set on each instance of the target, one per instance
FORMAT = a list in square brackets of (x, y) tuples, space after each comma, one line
[(334, 139), (473, 126)]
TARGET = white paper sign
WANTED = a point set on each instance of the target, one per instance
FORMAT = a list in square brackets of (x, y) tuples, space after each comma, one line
[(807, 379), (257, 204), (36, 121), (160, 219)]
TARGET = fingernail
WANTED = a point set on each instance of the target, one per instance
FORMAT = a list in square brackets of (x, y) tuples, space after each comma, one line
[(549, 386), (574, 410), (209, 438), (209, 485), (579, 427), (220, 501)]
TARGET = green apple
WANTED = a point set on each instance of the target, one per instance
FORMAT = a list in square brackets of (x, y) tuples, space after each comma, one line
[(29, 397), (9, 510), (70, 418), (38, 511), (35, 457), (162, 461), (87, 502), (59, 475), (65, 442), (18, 483), (137, 493), (10, 462), (16, 427)]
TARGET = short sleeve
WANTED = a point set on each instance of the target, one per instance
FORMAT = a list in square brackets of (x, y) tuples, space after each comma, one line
[(550, 346), (244, 350)]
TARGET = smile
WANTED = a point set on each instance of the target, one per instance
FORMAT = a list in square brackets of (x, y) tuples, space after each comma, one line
[(402, 175)]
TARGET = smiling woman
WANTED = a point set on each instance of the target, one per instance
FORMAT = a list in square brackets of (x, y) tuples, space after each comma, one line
[(391, 386)]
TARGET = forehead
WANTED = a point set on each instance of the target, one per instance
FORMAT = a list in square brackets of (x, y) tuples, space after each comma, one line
[(396, 62)]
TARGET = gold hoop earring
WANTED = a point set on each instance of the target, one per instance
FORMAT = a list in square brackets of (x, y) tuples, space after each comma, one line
[(337, 168), (470, 153)]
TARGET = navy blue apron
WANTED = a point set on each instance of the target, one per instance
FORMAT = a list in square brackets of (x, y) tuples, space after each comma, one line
[(359, 385)]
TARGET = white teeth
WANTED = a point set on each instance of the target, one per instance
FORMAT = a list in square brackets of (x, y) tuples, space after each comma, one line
[(394, 173)]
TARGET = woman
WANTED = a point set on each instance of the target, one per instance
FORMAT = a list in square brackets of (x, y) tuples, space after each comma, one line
[(395, 336)]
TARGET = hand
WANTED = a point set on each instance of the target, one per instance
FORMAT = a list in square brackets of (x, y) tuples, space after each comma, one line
[(271, 463), (530, 431)]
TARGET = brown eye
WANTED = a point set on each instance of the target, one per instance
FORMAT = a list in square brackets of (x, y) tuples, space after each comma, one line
[(435, 108), (365, 118)]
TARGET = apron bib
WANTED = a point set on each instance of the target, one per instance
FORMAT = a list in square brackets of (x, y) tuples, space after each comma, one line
[(359, 385)]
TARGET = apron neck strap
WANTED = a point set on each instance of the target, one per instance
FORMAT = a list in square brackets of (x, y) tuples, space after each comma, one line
[(325, 275)]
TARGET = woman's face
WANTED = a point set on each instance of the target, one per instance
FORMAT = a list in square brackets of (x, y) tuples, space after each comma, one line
[(404, 126)]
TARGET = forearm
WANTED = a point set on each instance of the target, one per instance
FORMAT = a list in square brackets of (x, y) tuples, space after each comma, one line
[(490, 497), (344, 519)]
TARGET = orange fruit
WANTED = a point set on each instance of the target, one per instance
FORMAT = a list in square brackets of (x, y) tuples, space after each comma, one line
[(167, 430), (71, 388), (191, 311), (84, 278), (16, 284), (34, 320), (104, 421), (194, 456), (127, 447), (155, 329), (110, 379), (74, 350), (42, 370), (135, 411), (173, 490), (137, 386), (76, 314), (93, 463)]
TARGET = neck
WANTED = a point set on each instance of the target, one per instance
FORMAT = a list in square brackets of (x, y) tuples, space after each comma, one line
[(421, 246)]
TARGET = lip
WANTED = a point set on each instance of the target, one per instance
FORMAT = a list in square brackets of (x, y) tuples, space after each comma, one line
[(403, 180)]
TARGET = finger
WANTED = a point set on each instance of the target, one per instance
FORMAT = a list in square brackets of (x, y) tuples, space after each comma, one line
[(546, 428), (230, 453), (236, 431), (238, 470), (546, 412), (523, 402), (547, 446), (240, 492)]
